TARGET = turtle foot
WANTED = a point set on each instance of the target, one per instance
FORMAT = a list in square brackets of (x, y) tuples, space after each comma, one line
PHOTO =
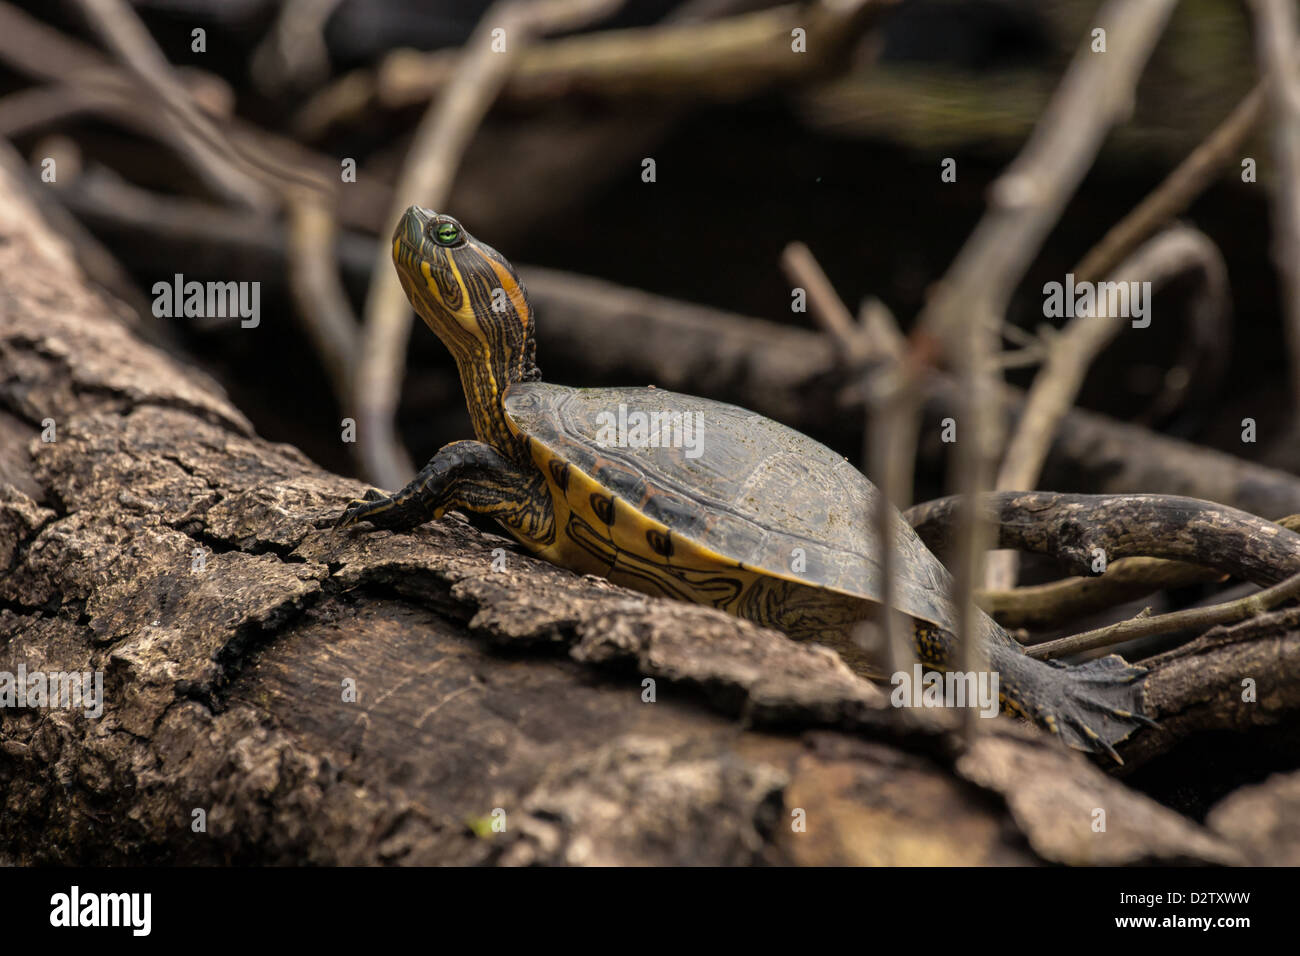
[(1100, 703), (366, 508)]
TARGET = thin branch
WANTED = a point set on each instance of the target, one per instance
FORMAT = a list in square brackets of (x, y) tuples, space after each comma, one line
[(1073, 350), (293, 55), (1193, 619), (244, 161), (1077, 529), (1127, 579), (726, 59), (1275, 39), (889, 453), (880, 328), (876, 335), (321, 300), (969, 305), (804, 272), (41, 53), (193, 133), (1177, 191), (1029, 198), (41, 107)]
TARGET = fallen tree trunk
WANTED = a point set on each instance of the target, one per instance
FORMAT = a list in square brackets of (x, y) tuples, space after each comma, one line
[(279, 693)]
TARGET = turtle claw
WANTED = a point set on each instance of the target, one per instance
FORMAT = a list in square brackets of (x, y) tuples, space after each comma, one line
[(365, 508), (1090, 706), (1097, 743), (1102, 704)]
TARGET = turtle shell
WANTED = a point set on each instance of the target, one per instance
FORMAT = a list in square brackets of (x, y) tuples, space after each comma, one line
[(752, 490)]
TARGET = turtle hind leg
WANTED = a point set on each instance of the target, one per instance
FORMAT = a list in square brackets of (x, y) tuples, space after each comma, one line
[(1091, 706)]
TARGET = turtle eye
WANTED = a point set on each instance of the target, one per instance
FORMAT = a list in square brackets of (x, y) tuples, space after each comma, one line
[(447, 234)]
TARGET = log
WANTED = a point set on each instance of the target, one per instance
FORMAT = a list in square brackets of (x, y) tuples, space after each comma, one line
[(525, 715)]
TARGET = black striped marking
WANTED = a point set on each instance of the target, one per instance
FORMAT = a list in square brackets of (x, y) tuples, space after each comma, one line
[(560, 473), (603, 505), (661, 542)]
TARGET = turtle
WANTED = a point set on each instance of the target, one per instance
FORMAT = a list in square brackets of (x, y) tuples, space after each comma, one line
[(693, 499)]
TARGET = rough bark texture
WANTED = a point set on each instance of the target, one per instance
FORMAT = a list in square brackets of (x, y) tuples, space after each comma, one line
[(160, 541), (1073, 529)]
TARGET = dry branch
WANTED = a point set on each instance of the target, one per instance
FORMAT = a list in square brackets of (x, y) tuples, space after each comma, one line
[(876, 337), (1073, 350), (724, 59), (1125, 580), (968, 308), (1078, 529), (1276, 43), (1189, 619), (1176, 191), (191, 131)]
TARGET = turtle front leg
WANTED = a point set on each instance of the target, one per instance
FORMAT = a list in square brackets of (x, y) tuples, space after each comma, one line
[(469, 475)]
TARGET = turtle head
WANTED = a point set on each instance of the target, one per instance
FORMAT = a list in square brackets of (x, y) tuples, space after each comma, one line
[(472, 299), (467, 293)]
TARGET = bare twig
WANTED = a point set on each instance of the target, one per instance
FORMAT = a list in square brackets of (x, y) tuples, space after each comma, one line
[(1127, 579), (1196, 687), (1192, 619), (228, 159), (1124, 580), (1276, 43), (293, 54), (881, 328), (1077, 529), (967, 309), (322, 302), (1028, 199), (1073, 350), (43, 54), (875, 336), (889, 453), (725, 59), (804, 272), (40, 107), (1177, 191), (194, 134)]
